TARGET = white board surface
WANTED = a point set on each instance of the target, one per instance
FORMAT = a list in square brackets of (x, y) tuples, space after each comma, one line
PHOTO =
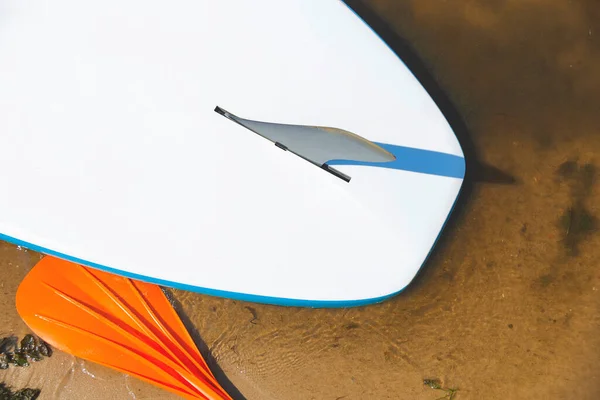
[(112, 154)]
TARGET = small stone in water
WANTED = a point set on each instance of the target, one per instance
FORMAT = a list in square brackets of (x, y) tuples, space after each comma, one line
[(44, 349), (35, 356), (28, 343), (20, 360), (27, 394), (8, 344), (4, 361)]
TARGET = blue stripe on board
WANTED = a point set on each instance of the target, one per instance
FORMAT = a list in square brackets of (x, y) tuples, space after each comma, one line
[(416, 160)]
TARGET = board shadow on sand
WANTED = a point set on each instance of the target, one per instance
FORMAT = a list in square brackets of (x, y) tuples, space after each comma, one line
[(477, 172)]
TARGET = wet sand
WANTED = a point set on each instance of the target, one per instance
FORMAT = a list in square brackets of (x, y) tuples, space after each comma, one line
[(507, 306)]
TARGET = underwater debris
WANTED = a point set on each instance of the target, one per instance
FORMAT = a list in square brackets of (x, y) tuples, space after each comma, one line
[(31, 349), (432, 383), (437, 385), (577, 222), (252, 311)]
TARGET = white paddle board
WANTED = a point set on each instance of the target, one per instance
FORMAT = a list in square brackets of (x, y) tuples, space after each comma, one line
[(273, 151)]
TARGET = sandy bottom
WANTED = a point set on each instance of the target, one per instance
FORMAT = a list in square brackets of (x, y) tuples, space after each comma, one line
[(508, 306)]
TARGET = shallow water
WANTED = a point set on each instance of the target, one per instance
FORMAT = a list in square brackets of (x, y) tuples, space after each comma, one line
[(508, 305)]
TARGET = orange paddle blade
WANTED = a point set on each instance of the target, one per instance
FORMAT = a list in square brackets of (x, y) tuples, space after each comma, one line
[(118, 322)]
